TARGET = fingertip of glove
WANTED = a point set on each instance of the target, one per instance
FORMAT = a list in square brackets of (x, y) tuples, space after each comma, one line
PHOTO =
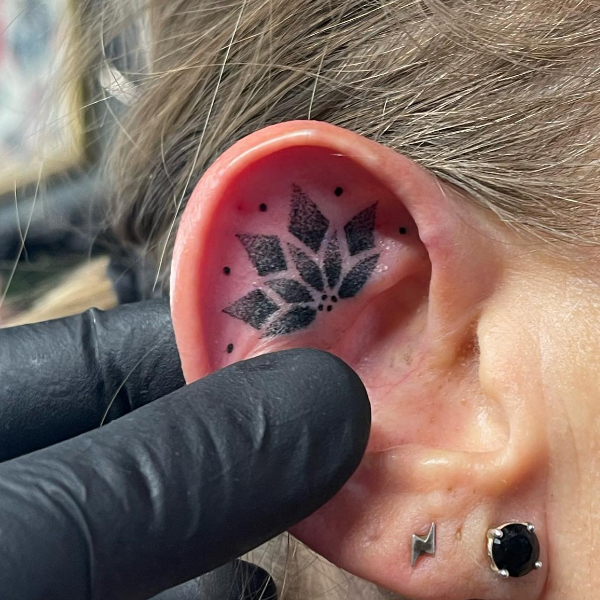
[(314, 382)]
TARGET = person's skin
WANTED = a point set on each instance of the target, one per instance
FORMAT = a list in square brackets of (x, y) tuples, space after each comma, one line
[(478, 349)]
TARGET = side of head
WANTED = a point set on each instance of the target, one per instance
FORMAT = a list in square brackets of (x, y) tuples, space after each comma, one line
[(306, 234), (412, 187)]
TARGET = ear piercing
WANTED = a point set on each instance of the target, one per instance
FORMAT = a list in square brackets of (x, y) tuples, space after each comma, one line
[(423, 545), (514, 549)]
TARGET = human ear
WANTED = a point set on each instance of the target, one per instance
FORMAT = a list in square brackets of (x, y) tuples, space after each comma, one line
[(306, 234)]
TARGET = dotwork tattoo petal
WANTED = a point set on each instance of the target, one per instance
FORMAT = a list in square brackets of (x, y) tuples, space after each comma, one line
[(307, 222), (357, 277), (360, 231), (297, 318), (254, 308), (309, 270), (333, 261), (290, 290), (265, 252)]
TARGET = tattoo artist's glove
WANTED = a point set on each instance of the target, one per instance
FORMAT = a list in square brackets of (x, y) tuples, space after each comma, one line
[(65, 377), (178, 487)]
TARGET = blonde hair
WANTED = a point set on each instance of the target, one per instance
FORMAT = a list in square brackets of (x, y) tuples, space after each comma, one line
[(500, 99)]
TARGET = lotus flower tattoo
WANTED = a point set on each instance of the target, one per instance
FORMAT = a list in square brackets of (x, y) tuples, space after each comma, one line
[(317, 257)]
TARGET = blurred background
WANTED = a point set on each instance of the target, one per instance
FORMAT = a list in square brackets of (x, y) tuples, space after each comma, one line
[(56, 255)]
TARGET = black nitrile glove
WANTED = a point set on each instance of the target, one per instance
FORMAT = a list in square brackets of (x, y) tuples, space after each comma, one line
[(64, 377), (180, 486)]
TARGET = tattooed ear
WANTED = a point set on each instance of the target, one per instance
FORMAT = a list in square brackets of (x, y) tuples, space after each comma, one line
[(306, 234), (289, 249)]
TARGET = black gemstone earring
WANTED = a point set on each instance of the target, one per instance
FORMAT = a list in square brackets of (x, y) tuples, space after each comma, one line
[(514, 549)]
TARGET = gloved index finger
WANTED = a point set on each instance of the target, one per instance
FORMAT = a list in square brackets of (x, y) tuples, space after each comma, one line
[(183, 485), (64, 377)]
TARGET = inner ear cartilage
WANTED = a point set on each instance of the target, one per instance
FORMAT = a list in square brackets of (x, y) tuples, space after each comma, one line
[(317, 255), (513, 549)]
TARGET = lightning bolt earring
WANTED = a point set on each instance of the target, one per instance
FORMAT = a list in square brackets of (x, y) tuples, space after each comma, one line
[(423, 545)]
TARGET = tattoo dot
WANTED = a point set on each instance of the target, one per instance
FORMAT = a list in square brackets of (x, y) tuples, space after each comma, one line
[(334, 298), (320, 307), (226, 270), (229, 348), (324, 297), (403, 230), (263, 208), (329, 308), (338, 191)]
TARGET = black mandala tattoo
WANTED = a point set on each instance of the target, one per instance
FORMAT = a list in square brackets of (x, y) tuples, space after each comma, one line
[(318, 261)]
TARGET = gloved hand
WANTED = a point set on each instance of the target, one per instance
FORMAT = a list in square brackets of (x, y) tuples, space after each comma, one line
[(174, 489), (65, 377)]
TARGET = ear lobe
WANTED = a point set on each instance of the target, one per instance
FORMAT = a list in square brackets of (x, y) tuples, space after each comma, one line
[(306, 234)]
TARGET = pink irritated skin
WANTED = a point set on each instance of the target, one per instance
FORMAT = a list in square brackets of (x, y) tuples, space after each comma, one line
[(387, 333), (240, 213)]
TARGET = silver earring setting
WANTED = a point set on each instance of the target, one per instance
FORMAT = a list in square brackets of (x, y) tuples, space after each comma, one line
[(423, 545), (514, 549)]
